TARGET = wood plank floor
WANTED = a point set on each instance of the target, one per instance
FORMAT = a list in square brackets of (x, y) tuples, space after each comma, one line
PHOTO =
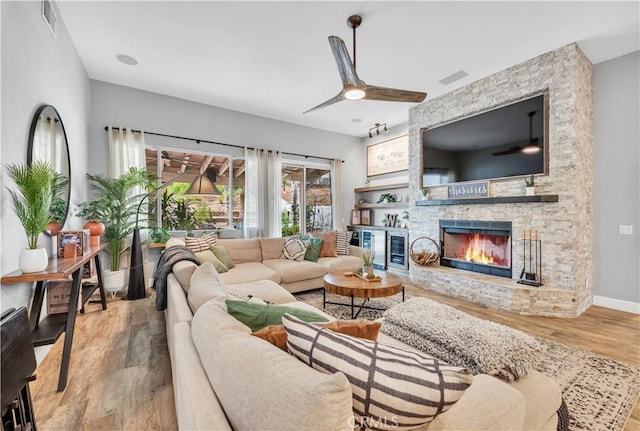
[(120, 374)]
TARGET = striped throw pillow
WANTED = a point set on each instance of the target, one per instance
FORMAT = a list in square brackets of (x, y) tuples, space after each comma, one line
[(392, 388), (200, 244), (294, 249), (343, 240)]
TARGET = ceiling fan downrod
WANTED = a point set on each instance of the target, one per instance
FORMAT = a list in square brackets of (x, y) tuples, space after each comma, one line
[(354, 22)]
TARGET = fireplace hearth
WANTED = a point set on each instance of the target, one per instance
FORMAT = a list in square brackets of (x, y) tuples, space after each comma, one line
[(478, 246)]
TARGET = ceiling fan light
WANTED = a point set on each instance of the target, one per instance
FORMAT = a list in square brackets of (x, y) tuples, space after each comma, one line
[(354, 94)]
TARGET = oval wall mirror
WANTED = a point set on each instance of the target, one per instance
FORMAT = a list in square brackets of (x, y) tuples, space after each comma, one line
[(48, 142)]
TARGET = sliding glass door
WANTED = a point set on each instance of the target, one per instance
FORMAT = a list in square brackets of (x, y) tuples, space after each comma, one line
[(306, 199)]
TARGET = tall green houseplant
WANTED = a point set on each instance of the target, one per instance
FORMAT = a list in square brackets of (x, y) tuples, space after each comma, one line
[(115, 205), (32, 201)]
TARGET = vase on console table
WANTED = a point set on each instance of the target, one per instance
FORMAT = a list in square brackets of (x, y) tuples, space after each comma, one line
[(96, 229)]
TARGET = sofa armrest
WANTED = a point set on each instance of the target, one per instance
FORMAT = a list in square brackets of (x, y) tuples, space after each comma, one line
[(356, 251), (488, 404)]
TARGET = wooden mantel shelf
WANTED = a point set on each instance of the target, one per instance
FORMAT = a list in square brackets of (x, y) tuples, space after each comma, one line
[(492, 200)]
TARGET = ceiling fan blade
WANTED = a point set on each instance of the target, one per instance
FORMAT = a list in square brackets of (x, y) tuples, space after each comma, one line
[(393, 94), (334, 99), (347, 72), (511, 150)]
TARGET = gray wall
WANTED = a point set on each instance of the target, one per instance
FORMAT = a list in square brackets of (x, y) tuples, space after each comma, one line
[(128, 107), (37, 69), (616, 178)]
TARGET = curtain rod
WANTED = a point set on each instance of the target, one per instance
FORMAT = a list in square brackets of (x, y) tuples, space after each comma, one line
[(106, 128)]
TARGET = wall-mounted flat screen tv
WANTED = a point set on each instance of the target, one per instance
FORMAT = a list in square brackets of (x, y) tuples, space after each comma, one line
[(504, 142)]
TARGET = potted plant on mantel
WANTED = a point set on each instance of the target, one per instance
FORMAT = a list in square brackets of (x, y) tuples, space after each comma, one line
[(530, 186), (32, 206), (115, 205)]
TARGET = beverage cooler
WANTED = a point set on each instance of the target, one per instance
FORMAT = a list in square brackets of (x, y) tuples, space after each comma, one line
[(397, 249), (376, 240)]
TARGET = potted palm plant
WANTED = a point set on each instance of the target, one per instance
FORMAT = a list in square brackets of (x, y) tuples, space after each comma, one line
[(116, 205), (32, 206)]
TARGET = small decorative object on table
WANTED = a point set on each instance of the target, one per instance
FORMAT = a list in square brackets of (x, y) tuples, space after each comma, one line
[(530, 185), (531, 273), (425, 194), (367, 265), (424, 250), (73, 243)]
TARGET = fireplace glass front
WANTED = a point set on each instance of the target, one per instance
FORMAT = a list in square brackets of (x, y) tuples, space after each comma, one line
[(479, 246)]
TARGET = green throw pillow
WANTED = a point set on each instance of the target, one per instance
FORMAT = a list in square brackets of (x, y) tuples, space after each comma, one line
[(222, 254), (314, 245), (208, 256), (257, 316)]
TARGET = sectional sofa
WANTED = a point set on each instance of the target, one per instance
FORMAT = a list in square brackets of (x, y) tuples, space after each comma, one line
[(224, 378)]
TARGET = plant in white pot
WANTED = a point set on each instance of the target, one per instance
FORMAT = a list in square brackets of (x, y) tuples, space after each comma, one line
[(32, 206), (530, 186), (115, 205)]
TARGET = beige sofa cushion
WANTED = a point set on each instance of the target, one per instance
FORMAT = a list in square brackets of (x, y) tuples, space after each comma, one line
[(289, 396), (291, 271), (266, 290), (543, 397), (341, 263), (271, 248), (183, 270), (249, 271), (243, 250), (205, 286)]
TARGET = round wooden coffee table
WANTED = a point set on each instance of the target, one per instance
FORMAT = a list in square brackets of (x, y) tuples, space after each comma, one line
[(355, 287)]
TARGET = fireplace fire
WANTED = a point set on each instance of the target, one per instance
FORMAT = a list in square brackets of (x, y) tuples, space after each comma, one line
[(478, 246)]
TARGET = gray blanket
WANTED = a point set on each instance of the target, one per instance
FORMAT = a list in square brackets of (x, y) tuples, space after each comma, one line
[(462, 340), (170, 257)]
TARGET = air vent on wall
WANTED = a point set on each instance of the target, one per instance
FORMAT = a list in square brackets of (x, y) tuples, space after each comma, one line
[(453, 77), (49, 15)]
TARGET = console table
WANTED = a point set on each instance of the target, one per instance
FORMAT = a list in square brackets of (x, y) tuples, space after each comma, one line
[(51, 327)]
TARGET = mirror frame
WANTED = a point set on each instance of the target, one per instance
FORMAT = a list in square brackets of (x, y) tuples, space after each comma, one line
[(32, 131)]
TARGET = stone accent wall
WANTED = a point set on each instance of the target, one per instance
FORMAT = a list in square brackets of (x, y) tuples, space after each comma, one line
[(565, 227)]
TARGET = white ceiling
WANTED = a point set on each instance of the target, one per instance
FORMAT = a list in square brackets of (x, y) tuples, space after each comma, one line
[(273, 59)]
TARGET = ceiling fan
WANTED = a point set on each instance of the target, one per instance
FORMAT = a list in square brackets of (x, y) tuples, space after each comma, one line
[(531, 147), (353, 88)]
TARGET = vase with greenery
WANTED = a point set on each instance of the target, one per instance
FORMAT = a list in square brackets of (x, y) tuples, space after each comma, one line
[(367, 264), (32, 205), (159, 235), (530, 185), (386, 198), (115, 204)]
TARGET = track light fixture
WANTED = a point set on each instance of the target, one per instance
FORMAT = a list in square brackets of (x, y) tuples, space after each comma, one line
[(377, 128)]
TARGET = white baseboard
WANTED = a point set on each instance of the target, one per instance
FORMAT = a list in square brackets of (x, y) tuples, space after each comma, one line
[(617, 304)]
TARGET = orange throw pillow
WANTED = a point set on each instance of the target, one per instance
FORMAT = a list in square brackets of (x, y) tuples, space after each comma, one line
[(277, 335), (328, 243)]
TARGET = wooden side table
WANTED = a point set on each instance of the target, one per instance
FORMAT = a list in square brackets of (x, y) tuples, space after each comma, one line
[(355, 287), (51, 327)]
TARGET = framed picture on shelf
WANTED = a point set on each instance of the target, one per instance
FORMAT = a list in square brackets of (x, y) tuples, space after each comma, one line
[(365, 217), (355, 217)]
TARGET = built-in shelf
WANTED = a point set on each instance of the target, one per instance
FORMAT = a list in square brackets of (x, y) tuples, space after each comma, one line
[(493, 200), (382, 205), (381, 187)]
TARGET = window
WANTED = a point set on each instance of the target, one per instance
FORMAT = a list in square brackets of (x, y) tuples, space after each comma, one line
[(306, 195), (177, 210)]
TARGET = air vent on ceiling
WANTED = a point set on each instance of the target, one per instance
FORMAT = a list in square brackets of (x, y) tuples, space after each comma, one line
[(453, 77), (49, 15)]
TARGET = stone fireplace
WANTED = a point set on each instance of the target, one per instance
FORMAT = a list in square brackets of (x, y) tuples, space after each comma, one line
[(564, 224)]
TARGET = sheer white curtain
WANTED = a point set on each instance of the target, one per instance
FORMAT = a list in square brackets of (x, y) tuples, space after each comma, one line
[(126, 150), (336, 193), (263, 178), (48, 143)]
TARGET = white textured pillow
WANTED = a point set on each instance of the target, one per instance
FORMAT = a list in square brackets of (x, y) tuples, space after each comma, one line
[(392, 388), (206, 285), (343, 240), (294, 249)]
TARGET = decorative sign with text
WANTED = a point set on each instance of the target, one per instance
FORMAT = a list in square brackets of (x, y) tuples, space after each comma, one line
[(469, 190)]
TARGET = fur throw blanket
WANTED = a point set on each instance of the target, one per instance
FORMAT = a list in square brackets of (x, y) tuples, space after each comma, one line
[(462, 340), (169, 257)]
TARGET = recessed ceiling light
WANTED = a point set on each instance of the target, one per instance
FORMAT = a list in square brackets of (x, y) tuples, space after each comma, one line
[(357, 120), (126, 59)]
